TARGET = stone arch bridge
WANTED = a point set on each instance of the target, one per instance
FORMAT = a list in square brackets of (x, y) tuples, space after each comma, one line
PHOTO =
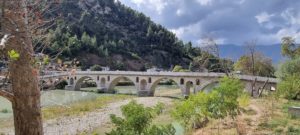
[(146, 82)]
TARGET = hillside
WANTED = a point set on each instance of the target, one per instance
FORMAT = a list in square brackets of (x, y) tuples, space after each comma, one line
[(107, 33)]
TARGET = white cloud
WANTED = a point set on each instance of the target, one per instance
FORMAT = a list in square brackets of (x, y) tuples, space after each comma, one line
[(241, 1), (291, 16), (179, 12), (219, 41), (229, 21), (159, 5), (205, 2), (190, 32), (263, 17)]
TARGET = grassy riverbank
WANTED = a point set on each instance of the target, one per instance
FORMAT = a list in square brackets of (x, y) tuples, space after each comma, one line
[(81, 108)]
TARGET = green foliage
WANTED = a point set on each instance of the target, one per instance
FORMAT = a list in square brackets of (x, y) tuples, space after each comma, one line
[(290, 87), (262, 65), (117, 32), (179, 68), (225, 98), (137, 121), (221, 102), (46, 60), (205, 61), (289, 47), (244, 100), (13, 55), (289, 68), (192, 111), (96, 68)]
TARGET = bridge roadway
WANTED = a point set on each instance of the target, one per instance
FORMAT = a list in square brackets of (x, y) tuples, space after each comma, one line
[(146, 82)]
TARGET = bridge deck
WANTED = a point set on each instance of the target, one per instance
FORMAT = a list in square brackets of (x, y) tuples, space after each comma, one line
[(164, 74)]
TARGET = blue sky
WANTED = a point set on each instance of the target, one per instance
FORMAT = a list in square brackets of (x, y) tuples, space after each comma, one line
[(228, 21)]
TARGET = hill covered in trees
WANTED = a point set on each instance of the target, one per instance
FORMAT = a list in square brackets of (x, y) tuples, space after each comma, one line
[(107, 33)]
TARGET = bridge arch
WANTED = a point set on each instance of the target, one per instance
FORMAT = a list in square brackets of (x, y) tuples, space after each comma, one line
[(80, 80), (155, 83), (116, 80), (205, 85)]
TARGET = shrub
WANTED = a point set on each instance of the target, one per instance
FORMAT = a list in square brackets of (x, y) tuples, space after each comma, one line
[(221, 102), (137, 121), (290, 87)]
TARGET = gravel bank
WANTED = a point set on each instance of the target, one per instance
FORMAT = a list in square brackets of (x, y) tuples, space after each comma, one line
[(76, 124)]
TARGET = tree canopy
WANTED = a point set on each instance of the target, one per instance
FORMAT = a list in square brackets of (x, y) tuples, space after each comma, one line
[(289, 47), (262, 65)]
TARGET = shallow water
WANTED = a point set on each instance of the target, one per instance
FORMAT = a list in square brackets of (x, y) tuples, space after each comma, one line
[(63, 97), (51, 98)]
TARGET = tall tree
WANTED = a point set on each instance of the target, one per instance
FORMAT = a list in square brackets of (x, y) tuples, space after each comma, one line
[(263, 65), (21, 23), (251, 50), (210, 57)]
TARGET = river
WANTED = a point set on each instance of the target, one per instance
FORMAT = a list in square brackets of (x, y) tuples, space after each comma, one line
[(63, 97)]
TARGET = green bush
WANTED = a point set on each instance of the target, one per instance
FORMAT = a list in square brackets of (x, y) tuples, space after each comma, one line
[(138, 121), (290, 87), (221, 102)]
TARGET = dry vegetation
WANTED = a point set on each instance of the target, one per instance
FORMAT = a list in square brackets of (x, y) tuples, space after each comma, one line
[(81, 108), (263, 116)]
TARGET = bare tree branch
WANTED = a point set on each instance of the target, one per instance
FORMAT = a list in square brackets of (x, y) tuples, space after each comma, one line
[(7, 95), (251, 50)]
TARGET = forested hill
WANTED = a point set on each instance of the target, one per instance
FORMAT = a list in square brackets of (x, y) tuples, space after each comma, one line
[(107, 33)]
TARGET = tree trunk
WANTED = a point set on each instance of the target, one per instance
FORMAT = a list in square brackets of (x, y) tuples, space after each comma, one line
[(24, 78), (26, 103), (253, 66)]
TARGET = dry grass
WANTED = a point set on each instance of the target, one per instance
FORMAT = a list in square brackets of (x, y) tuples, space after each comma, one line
[(266, 115), (275, 119), (81, 108)]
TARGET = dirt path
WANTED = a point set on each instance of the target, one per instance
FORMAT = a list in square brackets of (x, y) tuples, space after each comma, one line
[(72, 125), (255, 119)]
